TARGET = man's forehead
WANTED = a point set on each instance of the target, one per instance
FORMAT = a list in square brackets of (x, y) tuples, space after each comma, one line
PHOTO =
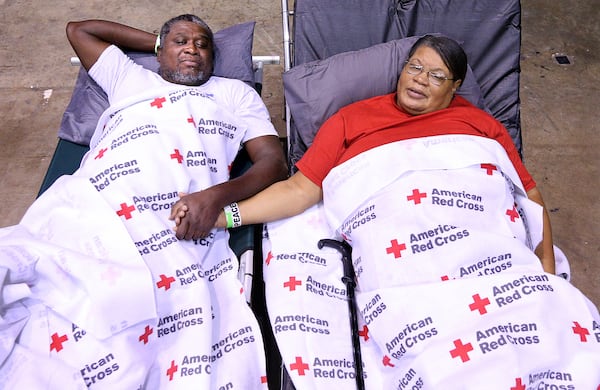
[(185, 27)]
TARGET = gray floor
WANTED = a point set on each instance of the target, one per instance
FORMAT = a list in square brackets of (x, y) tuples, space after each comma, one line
[(559, 103)]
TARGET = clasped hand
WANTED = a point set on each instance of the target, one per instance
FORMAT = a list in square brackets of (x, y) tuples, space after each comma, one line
[(195, 214)]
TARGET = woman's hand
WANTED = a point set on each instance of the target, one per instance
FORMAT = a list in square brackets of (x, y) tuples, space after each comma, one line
[(178, 211), (545, 250)]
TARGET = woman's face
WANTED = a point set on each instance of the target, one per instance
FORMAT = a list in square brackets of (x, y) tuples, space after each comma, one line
[(415, 93)]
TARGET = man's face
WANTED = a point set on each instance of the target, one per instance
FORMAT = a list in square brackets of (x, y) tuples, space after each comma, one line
[(186, 56)]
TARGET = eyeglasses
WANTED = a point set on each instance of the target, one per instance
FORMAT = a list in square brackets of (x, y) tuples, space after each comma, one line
[(435, 78)]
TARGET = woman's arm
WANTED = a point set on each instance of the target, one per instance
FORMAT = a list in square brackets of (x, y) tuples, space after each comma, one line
[(89, 38), (280, 200), (545, 250), (203, 207)]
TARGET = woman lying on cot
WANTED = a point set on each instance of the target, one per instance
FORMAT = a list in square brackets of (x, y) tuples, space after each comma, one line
[(424, 105)]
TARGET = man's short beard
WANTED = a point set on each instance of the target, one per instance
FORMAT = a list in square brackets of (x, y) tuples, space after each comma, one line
[(177, 77)]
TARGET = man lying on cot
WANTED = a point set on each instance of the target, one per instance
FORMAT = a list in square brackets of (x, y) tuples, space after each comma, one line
[(107, 296), (424, 104), (185, 52)]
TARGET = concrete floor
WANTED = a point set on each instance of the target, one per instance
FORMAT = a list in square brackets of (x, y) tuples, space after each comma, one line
[(559, 103)]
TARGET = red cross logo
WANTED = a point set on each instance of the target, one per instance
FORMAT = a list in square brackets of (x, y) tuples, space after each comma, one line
[(416, 196), (395, 248), (299, 365), (387, 362), (191, 120), (292, 283), (513, 214), (269, 258), (518, 385), (125, 211), (479, 304), (364, 333), (100, 153), (489, 168), (176, 156), (158, 102), (581, 331), (461, 350), (146, 334), (172, 370), (165, 282), (57, 341)]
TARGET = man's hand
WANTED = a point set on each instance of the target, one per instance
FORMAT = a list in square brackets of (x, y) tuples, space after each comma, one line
[(195, 214)]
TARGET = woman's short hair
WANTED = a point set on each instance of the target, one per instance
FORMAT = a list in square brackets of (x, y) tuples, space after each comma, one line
[(166, 28), (450, 51)]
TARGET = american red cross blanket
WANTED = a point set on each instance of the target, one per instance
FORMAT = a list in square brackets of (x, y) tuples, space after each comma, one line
[(449, 292), (98, 292)]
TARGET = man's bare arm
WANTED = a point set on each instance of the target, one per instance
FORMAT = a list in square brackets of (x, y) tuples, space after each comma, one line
[(89, 38)]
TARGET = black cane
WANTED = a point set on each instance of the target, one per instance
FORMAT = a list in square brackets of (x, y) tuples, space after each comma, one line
[(346, 250)]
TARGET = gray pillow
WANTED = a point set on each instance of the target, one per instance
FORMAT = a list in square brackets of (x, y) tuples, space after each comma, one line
[(233, 59), (316, 90)]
